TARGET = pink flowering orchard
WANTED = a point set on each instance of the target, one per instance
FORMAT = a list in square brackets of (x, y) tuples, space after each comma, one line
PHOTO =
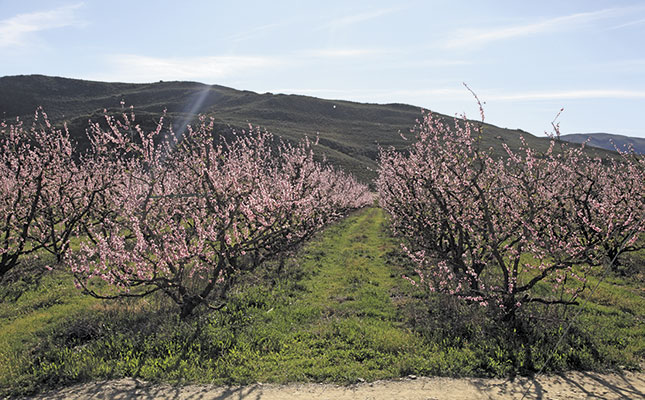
[(490, 229), (186, 215), (45, 191)]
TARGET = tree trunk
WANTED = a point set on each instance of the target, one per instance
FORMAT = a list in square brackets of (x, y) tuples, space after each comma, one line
[(188, 306)]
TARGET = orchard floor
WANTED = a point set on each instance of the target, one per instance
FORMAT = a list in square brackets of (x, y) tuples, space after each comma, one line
[(337, 315), (573, 385)]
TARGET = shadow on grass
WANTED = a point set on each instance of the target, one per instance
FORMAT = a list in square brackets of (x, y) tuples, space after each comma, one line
[(25, 277)]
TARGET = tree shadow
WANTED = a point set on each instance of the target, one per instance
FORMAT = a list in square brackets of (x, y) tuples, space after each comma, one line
[(628, 391), (26, 276), (131, 389), (513, 388)]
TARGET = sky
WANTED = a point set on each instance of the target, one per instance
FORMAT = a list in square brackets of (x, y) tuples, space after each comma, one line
[(524, 59)]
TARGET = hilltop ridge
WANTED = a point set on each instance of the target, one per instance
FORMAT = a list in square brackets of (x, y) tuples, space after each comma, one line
[(607, 141), (349, 132)]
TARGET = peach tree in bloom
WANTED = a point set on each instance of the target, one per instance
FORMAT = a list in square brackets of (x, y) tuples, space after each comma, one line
[(490, 230), (47, 190), (187, 214)]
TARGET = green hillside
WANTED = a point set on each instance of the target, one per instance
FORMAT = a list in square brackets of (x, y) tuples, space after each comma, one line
[(607, 141), (349, 132)]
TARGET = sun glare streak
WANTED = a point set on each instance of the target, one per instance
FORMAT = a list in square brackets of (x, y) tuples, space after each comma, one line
[(189, 112)]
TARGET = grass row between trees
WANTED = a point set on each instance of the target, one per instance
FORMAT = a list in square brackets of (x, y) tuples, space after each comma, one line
[(337, 312)]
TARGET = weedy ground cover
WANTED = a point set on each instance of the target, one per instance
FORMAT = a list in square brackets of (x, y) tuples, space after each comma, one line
[(339, 311)]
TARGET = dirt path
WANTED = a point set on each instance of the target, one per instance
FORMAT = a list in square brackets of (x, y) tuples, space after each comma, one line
[(575, 385)]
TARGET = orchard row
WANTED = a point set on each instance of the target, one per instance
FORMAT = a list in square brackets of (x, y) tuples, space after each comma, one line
[(182, 212), (491, 230), (157, 212)]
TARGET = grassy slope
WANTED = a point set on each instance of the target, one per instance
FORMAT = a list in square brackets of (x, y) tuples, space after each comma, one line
[(607, 141), (349, 132), (339, 312)]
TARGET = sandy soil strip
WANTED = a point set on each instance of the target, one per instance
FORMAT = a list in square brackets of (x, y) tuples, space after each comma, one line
[(574, 385)]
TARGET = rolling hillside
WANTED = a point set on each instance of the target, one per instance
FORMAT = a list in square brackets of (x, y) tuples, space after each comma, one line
[(349, 132), (607, 141)]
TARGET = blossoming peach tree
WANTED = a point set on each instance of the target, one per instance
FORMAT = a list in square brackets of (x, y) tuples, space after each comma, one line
[(491, 230), (186, 214), (46, 190)]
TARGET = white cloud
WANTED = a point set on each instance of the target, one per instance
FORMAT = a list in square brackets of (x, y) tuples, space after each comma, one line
[(14, 31), (460, 94), (571, 94), (630, 23), (136, 68), (342, 52), (316, 91), (254, 32), (439, 63), (472, 37), (451, 92), (349, 20)]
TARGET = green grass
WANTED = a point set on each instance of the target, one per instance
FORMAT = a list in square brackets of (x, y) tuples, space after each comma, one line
[(338, 311)]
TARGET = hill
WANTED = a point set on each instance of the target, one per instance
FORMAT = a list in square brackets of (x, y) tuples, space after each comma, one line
[(349, 132), (607, 141)]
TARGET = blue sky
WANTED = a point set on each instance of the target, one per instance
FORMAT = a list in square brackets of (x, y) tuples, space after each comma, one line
[(525, 60)]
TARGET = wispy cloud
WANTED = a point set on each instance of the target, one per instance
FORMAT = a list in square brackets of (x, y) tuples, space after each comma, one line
[(254, 32), (630, 23), (139, 68), (136, 68), (472, 37), (318, 91), (616, 66), (353, 19), (342, 52), (451, 92), (14, 31), (570, 94)]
